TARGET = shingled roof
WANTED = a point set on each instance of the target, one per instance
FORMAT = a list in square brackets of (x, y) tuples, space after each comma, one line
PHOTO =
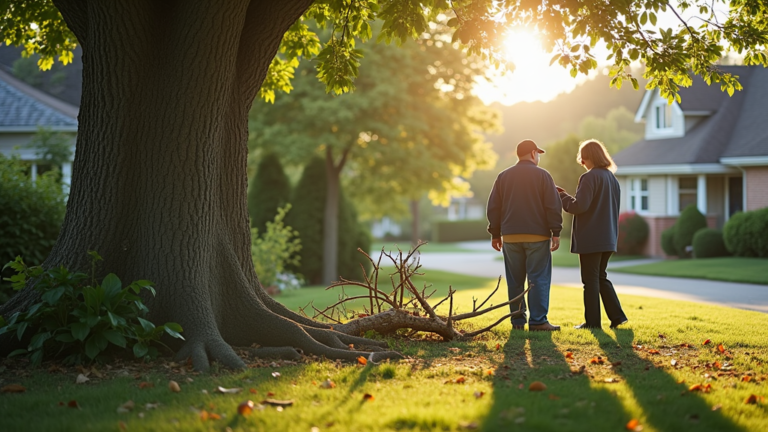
[(736, 127), (24, 108)]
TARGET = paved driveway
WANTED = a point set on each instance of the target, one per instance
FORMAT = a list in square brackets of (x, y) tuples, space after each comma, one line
[(737, 295)]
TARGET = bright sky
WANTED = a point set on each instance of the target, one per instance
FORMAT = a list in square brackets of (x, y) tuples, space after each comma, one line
[(535, 80)]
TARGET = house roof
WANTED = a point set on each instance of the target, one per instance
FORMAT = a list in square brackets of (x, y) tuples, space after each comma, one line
[(736, 127), (61, 82), (24, 108)]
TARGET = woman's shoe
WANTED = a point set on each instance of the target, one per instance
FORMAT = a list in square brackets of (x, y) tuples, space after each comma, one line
[(614, 325)]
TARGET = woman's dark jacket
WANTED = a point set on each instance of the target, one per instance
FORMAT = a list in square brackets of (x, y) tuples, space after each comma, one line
[(596, 212)]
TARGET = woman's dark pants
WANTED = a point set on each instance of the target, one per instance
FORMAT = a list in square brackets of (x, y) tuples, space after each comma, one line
[(597, 286)]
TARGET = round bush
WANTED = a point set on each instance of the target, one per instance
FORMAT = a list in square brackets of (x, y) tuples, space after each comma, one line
[(31, 216), (758, 230), (690, 221), (633, 233), (668, 241), (708, 243), (745, 233)]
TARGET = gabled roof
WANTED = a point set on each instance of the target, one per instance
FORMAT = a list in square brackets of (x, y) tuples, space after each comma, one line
[(736, 127), (24, 108)]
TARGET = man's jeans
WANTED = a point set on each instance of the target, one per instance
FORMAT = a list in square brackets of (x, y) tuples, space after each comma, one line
[(535, 260)]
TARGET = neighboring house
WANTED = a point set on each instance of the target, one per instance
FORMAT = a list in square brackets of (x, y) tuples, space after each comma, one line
[(710, 150), (23, 110)]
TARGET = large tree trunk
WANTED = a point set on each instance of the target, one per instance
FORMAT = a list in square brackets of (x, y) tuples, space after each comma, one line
[(159, 178), (331, 221)]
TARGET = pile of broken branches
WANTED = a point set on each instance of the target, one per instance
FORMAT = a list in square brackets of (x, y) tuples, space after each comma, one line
[(403, 305)]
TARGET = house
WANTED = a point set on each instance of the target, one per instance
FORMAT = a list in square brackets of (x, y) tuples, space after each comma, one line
[(710, 150), (24, 109)]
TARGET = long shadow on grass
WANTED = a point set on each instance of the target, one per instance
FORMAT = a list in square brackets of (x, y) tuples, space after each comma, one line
[(666, 404), (569, 402)]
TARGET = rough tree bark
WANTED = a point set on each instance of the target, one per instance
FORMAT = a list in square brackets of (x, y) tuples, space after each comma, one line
[(159, 178)]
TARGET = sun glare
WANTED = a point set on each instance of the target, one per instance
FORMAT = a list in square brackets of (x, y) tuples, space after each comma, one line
[(522, 46)]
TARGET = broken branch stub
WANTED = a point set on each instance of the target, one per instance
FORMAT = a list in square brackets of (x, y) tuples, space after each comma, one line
[(405, 302)]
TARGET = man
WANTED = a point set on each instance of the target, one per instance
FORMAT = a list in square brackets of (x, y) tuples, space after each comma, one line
[(524, 220)]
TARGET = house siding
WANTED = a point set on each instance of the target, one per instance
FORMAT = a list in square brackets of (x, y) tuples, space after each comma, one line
[(757, 187), (624, 191), (657, 195)]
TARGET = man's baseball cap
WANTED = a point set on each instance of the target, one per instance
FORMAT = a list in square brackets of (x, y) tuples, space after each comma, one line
[(524, 147)]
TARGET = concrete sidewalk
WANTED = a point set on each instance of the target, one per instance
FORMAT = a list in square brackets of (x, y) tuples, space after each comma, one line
[(737, 295)]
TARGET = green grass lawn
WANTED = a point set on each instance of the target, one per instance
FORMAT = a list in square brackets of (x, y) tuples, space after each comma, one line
[(412, 394), (731, 269)]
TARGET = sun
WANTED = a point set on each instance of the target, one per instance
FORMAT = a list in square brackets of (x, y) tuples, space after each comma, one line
[(521, 47)]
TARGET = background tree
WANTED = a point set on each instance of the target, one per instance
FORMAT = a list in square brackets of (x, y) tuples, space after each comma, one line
[(269, 191), (159, 179)]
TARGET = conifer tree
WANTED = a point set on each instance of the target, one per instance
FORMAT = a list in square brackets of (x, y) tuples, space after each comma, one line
[(270, 189)]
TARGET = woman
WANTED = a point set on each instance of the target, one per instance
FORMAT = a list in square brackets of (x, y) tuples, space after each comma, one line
[(595, 231)]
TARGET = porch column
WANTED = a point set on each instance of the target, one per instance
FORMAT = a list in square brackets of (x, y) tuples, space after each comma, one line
[(701, 194), (33, 172)]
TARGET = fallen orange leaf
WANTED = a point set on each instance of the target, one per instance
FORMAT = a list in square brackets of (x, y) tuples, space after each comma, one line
[(753, 399), (144, 384), (328, 384), (569, 355), (634, 425), (13, 388), (253, 391), (245, 408), (653, 351), (203, 415), (553, 397), (362, 360), (707, 342), (717, 365), (489, 372), (597, 360), (73, 404), (695, 387), (460, 380), (537, 386), (746, 378), (270, 394), (122, 425), (367, 397), (498, 346), (721, 348), (685, 345)]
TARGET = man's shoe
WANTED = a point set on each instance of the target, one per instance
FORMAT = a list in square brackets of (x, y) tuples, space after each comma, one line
[(584, 326), (518, 326), (543, 327), (614, 325)]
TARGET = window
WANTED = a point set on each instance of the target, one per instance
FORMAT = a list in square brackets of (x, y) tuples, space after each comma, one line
[(687, 187), (663, 116), (638, 194)]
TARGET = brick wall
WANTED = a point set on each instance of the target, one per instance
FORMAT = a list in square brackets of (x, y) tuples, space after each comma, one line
[(757, 187), (657, 224)]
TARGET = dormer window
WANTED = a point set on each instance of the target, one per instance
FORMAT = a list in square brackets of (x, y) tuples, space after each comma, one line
[(663, 117)]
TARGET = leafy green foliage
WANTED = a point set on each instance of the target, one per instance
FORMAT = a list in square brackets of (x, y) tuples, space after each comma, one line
[(307, 218), (276, 249), (31, 216), (270, 190), (690, 221), (708, 243), (633, 233), (668, 241), (745, 233), (51, 147), (37, 26), (79, 319)]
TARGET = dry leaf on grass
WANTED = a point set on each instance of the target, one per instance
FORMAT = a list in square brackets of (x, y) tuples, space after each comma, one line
[(459, 380), (553, 397), (145, 384), (121, 425), (490, 372), (596, 360), (223, 390), (362, 360), (753, 399), (611, 380), (367, 397), (498, 346), (746, 378), (277, 403), (174, 386), (717, 407), (327, 384), (245, 408), (73, 404), (205, 415), (569, 355), (276, 374), (253, 391), (700, 388), (81, 379), (721, 348), (126, 407), (479, 394), (673, 362), (707, 342), (454, 349), (537, 386), (13, 388), (634, 425), (653, 351), (468, 425)]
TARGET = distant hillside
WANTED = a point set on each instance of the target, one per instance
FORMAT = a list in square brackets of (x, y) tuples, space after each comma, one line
[(545, 122)]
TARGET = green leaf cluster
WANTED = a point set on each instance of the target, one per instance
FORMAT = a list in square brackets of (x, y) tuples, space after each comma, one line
[(79, 319), (276, 249), (31, 215), (37, 26)]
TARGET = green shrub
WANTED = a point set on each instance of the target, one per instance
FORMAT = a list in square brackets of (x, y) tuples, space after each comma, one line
[(274, 250), (461, 230), (745, 233), (269, 191), (31, 214), (307, 218), (690, 221), (633, 233), (708, 243), (668, 241), (78, 319)]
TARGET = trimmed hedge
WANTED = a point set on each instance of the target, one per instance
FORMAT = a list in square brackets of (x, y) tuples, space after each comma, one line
[(690, 221), (746, 234), (270, 190), (461, 230), (708, 243), (633, 233), (668, 241)]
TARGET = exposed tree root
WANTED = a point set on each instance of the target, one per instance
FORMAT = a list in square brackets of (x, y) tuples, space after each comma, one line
[(403, 306)]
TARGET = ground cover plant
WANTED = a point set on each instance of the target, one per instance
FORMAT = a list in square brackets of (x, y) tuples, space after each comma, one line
[(728, 269), (676, 366)]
